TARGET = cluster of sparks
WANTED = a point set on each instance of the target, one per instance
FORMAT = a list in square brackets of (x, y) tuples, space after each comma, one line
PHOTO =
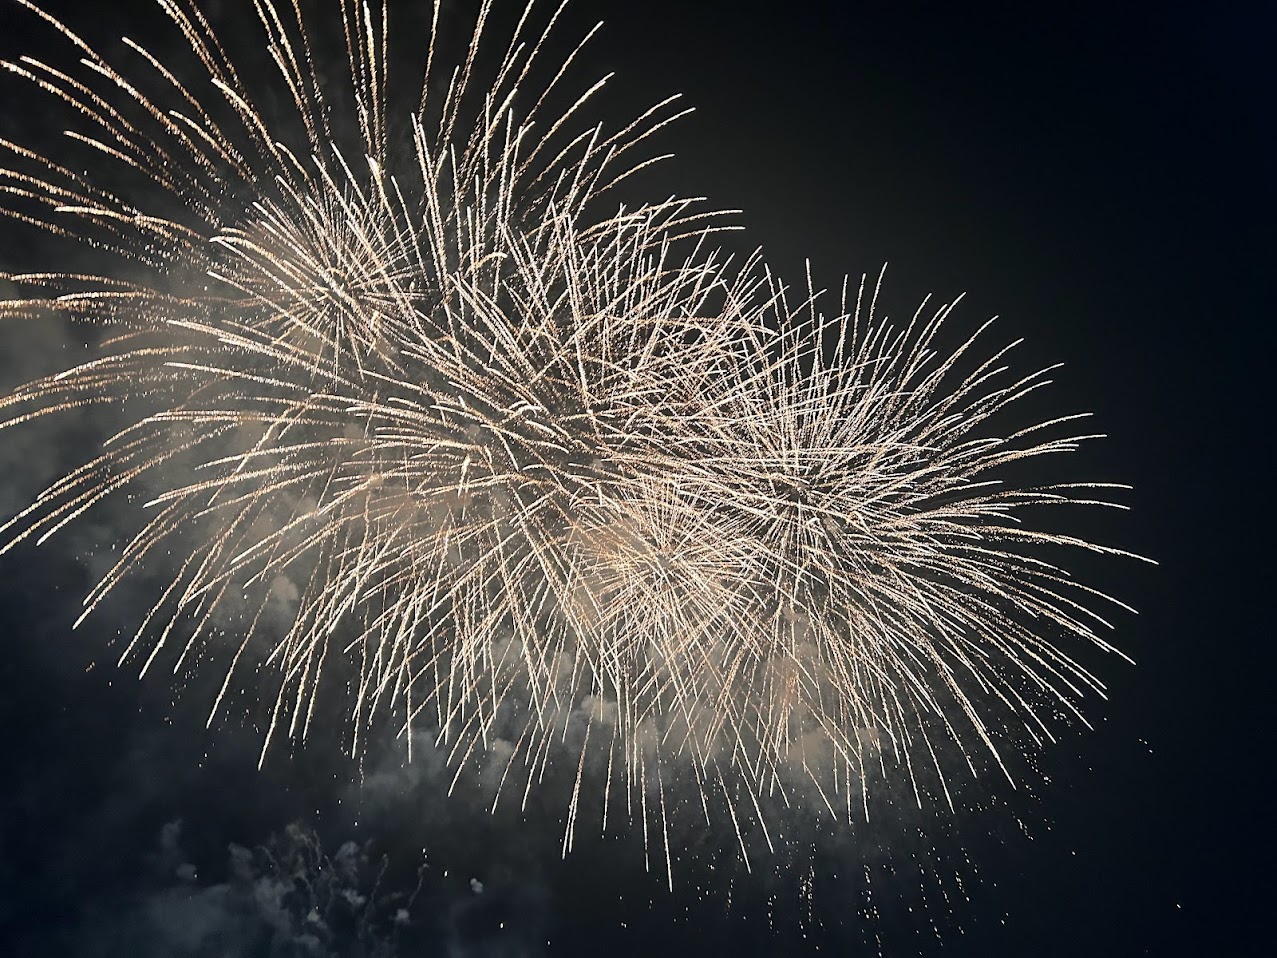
[(510, 464)]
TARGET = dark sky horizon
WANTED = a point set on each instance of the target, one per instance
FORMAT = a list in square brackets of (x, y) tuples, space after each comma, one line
[(1099, 179)]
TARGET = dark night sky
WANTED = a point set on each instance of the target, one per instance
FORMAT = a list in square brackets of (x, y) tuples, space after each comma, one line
[(1100, 179)]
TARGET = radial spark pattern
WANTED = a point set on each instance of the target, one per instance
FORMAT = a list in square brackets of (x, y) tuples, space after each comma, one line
[(413, 413)]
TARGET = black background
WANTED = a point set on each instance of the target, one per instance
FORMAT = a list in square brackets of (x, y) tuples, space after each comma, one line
[(1101, 179)]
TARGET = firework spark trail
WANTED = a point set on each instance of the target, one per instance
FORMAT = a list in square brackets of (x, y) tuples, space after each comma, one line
[(517, 457)]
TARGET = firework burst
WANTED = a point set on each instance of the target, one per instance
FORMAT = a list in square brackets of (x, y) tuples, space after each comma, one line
[(511, 462)]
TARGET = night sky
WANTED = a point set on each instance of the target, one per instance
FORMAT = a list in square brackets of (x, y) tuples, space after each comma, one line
[(1102, 181)]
